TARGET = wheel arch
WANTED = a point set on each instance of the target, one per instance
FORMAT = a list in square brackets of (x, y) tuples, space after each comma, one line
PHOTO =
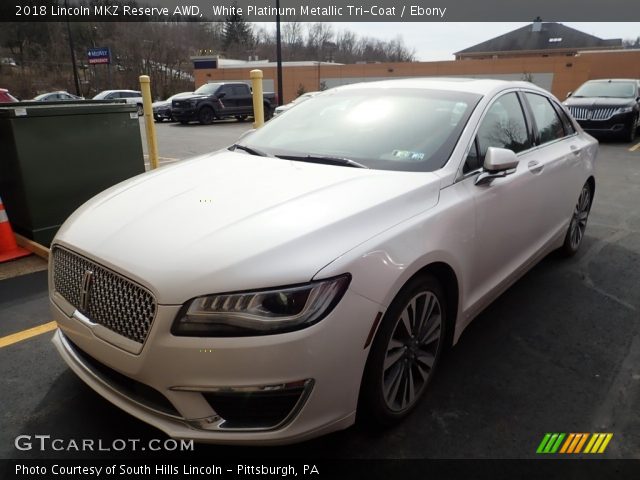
[(592, 184), (446, 274)]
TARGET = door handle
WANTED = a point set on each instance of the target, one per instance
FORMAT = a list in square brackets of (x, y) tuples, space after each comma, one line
[(534, 166), (575, 150)]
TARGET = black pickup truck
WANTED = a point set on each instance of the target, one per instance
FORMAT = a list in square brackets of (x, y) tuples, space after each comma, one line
[(220, 100)]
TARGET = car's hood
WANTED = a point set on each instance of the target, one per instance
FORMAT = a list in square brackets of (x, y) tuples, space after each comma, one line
[(230, 221), (598, 102), (190, 97)]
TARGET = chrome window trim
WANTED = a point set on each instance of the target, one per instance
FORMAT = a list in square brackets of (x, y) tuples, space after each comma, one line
[(460, 176)]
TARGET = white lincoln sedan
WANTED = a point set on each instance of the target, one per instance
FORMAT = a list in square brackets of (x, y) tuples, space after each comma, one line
[(315, 270)]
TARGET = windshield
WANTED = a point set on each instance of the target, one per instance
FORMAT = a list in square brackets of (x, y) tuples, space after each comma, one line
[(208, 89), (386, 129), (606, 89), (178, 95)]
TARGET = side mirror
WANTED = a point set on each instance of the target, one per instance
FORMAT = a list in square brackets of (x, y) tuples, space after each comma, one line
[(498, 162), (569, 94), (498, 159), (221, 94)]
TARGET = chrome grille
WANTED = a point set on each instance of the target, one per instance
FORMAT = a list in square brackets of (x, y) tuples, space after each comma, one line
[(582, 113), (112, 300)]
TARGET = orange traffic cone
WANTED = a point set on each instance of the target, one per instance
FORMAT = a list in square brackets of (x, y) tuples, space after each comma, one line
[(9, 249)]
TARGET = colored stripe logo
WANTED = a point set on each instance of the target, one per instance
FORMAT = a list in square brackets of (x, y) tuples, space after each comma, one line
[(574, 443)]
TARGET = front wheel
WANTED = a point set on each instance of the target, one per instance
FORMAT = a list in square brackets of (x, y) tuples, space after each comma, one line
[(405, 352), (578, 224), (206, 115), (140, 110), (630, 135)]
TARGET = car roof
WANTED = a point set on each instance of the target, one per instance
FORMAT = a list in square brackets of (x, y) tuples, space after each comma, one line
[(481, 86), (612, 80), (119, 90)]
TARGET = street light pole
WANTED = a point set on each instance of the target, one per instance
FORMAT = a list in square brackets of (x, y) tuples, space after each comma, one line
[(73, 55), (279, 52)]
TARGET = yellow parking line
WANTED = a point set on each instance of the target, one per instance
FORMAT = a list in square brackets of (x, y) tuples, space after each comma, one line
[(635, 147), (26, 334)]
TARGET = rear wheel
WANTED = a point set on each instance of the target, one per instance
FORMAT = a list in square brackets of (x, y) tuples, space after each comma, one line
[(206, 115), (405, 352), (578, 225)]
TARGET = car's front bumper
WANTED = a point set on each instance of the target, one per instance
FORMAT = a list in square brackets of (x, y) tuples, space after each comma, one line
[(612, 126), (169, 383), (184, 114), (162, 114)]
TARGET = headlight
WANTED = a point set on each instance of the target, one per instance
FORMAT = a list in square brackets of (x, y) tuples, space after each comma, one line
[(624, 109), (263, 312)]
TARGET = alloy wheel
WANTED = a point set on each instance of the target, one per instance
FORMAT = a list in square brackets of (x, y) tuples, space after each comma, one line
[(412, 351), (580, 217)]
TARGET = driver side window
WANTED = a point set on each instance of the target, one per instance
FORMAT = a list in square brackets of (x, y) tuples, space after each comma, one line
[(503, 126)]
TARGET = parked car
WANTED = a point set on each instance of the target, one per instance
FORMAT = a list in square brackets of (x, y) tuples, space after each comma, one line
[(60, 96), (130, 96), (6, 97), (162, 108), (300, 99), (340, 249), (220, 100), (608, 106)]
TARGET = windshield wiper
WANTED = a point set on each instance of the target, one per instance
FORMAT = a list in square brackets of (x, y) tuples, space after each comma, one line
[(342, 161), (252, 151)]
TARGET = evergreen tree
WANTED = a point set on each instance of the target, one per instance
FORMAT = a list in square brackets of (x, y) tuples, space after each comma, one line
[(237, 36)]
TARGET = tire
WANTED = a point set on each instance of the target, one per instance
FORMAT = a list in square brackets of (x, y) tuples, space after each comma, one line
[(206, 116), (268, 112), (404, 354), (578, 224), (241, 118), (140, 109), (184, 122), (631, 134)]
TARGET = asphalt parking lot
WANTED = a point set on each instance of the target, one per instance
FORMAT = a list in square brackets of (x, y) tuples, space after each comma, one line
[(178, 142), (558, 352)]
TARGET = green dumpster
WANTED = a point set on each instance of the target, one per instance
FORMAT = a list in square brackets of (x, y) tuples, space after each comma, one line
[(55, 156)]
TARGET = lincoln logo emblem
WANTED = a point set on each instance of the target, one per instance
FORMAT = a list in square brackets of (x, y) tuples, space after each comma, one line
[(589, 115), (84, 290)]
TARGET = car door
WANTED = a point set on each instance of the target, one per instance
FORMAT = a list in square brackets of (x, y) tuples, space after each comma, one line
[(507, 209), (245, 99), (557, 159), (229, 102)]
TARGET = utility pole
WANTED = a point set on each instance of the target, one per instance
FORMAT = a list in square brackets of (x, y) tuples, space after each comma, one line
[(279, 52), (73, 55)]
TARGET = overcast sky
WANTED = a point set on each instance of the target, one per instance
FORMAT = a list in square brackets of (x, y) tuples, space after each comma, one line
[(439, 40)]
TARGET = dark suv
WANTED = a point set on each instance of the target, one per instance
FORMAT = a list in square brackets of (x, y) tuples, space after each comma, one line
[(609, 106)]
